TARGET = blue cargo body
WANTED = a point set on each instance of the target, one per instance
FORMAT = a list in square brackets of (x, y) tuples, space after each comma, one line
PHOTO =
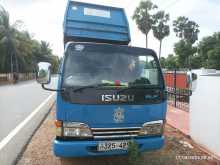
[(95, 23)]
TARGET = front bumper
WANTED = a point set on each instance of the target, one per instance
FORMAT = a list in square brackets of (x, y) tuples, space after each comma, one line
[(88, 148)]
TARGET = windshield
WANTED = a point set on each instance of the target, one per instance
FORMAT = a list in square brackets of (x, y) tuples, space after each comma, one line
[(97, 64)]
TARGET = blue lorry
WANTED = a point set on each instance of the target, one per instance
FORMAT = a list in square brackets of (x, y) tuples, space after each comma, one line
[(109, 93)]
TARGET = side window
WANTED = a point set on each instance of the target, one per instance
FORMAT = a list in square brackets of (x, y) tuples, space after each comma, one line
[(150, 70)]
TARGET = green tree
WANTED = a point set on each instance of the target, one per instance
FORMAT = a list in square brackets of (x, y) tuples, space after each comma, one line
[(186, 29), (9, 42), (163, 62), (55, 61), (184, 50), (144, 18), (208, 51), (195, 61), (25, 52), (161, 29), (45, 48), (19, 50), (171, 62), (213, 61)]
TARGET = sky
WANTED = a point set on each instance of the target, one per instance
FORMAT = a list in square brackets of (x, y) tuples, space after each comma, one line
[(44, 19)]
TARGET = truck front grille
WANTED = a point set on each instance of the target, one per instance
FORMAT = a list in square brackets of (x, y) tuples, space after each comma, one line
[(115, 133)]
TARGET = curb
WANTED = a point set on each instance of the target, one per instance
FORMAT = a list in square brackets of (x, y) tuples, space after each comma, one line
[(12, 145)]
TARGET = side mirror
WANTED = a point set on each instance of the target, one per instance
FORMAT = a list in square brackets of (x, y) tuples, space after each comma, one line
[(44, 73), (192, 80)]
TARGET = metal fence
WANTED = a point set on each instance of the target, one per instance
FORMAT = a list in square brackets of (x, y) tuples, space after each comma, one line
[(177, 88)]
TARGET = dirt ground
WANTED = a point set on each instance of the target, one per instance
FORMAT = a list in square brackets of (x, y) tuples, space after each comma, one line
[(179, 150)]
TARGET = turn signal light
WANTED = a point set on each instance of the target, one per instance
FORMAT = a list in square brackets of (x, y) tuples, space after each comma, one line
[(58, 123)]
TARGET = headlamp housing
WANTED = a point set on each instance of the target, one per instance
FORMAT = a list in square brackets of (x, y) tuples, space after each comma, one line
[(152, 128), (76, 129)]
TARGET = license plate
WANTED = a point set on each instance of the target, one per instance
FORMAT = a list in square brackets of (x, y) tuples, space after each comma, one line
[(112, 145)]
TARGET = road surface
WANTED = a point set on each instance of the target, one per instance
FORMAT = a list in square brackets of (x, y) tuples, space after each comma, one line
[(17, 102)]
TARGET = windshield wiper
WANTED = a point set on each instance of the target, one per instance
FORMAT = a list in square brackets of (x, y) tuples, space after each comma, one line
[(142, 86), (93, 86)]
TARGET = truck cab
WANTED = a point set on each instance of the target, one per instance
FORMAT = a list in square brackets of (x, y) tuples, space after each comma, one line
[(109, 93)]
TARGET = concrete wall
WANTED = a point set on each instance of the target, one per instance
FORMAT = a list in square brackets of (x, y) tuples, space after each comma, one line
[(205, 111)]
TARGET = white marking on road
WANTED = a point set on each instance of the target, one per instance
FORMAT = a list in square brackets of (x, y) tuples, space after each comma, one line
[(23, 123)]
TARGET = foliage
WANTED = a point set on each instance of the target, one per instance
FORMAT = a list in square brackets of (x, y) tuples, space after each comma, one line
[(209, 51), (186, 29), (206, 54), (8, 41), (134, 155), (19, 52), (55, 61), (195, 61), (184, 50), (148, 19), (160, 28), (144, 18), (163, 62), (213, 61), (171, 62)]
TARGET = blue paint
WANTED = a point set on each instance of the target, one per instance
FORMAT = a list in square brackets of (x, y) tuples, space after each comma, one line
[(101, 23), (87, 148), (102, 115)]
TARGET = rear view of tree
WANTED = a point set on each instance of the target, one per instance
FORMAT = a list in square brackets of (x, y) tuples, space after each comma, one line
[(144, 17), (184, 51), (187, 31), (8, 42), (161, 29)]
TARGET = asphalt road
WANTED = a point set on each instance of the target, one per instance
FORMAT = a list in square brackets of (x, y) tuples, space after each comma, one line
[(18, 101)]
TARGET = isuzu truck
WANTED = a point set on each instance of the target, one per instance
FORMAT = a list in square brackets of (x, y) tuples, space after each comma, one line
[(109, 93)]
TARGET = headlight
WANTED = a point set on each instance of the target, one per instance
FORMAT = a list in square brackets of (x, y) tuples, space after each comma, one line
[(152, 128), (75, 129)]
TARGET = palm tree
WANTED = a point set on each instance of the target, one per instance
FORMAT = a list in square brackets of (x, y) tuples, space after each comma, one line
[(144, 18), (45, 48), (161, 29), (25, 52), (45, 52), (8, 39)]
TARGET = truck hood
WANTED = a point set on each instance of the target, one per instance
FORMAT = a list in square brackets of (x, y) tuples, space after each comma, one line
[(110, 115)]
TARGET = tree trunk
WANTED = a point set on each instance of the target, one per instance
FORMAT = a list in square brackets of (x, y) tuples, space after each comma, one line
[(160, 49), (11, 60), (16, 62), (146, 40)]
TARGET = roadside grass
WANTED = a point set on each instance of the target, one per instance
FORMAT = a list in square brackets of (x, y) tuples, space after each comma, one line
[(134, 155)]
